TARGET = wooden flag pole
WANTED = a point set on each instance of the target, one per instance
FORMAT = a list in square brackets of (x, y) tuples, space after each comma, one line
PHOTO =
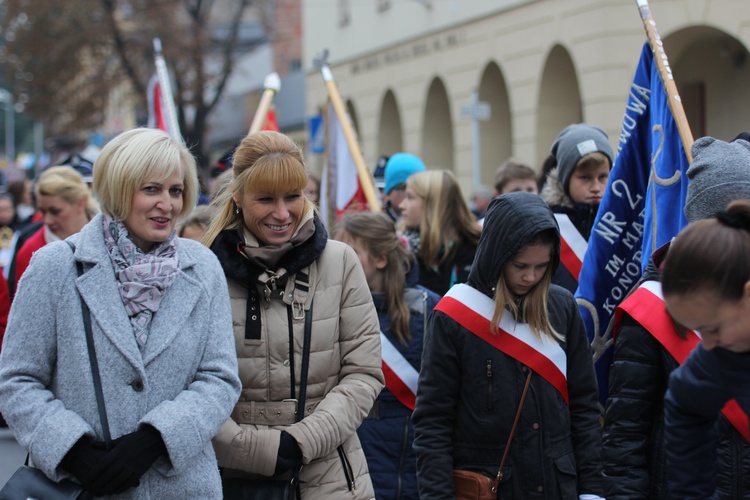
[(667, 79), (365, 178), (166, 91), (271, 85)]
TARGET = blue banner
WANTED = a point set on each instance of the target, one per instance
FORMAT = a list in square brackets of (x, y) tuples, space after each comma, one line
[(640, 211)]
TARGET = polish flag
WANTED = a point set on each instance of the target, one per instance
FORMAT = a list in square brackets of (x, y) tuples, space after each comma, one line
[(157, 113), (344, 186), (271, 123)]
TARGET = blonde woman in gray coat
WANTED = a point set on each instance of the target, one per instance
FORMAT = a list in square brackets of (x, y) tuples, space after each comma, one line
[(162, 328)]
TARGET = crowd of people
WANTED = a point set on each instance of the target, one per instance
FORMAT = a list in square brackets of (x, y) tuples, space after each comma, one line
[(247, 345)]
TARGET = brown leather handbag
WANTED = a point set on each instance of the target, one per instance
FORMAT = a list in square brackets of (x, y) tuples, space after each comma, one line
[(476, 486)]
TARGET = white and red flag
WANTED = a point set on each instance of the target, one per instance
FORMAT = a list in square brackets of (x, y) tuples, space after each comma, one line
[(344, 185), (157, 113)]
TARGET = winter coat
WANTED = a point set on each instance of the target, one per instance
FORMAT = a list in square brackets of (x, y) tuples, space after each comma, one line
[(387, 433), (344, 375), (469, 391), (633, 453), (184, 384), (582, 216), (697, 392), (454, 270)]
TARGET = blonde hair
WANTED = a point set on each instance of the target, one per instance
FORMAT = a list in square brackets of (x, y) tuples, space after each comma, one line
[(137, 156), (377, 233), (68, 184), (264, 162), (533, 308), (446, 218)]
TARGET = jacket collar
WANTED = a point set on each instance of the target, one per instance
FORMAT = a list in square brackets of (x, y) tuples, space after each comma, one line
[(98, 288)]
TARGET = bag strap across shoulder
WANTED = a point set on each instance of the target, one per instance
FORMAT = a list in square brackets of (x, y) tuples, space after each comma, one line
[(499, 476), (95, 373)]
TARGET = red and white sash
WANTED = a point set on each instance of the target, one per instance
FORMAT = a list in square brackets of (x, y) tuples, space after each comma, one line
[(473, 310), (646, 306), (572, 245), (400, 376)]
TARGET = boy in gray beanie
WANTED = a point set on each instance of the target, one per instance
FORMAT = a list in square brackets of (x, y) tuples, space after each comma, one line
[(719, 174), (575, 188)]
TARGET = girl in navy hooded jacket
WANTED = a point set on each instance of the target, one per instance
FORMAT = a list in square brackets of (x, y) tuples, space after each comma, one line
[(403, 307)]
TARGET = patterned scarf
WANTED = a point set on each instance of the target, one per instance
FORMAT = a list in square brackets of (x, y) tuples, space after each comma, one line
[(142, 279)]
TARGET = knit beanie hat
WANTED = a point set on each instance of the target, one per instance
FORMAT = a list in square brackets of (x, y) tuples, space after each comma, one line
[(720, 173), (399, 168), (575, 142)]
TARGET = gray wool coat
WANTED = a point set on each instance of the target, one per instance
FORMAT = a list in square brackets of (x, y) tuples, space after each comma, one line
[(185, 384)]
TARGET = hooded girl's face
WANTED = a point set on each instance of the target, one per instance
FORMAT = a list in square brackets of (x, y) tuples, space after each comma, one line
[(527, 268)]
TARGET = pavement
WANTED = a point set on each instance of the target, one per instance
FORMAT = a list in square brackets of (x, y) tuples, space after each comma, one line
[(12, 455)]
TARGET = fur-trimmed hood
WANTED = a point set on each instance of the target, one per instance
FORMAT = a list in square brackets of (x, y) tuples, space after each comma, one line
[(554, 192)]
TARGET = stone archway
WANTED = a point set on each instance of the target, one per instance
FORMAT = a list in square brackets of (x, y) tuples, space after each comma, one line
[(559, 100), (390, 136), (437, 128), (712, 72), (352, 111), (495, 134)]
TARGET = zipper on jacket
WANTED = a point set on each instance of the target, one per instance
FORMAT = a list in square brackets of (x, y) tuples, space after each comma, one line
[(489, 384), (348, 472)]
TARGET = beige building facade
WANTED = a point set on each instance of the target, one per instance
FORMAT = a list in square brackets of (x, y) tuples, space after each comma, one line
[(406, 68)]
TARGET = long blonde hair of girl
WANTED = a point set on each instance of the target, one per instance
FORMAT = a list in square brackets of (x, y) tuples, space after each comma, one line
[(264, 162), (377, 234), (446, 218), (533, 306)]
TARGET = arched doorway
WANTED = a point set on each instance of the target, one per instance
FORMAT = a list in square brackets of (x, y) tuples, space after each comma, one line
[(495, 134), (559, 100), (353, 116), (712, 73), (437, 128), (390, 138)]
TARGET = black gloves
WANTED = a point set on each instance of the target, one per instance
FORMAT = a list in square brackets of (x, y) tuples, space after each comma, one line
[(83, 459), (290, 456), (122, 467)]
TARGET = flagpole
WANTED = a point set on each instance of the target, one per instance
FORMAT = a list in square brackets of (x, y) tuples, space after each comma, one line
[(166, 91), (365, 179), (271, 85), (667, 79)]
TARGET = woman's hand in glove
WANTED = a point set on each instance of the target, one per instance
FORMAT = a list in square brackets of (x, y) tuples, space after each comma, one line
[(290, 455), (123, 466)]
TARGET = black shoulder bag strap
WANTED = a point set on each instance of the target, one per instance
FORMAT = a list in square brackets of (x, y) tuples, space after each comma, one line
[(300, 413), (92, 359)]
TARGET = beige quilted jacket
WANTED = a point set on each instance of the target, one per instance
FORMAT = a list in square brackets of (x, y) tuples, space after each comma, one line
[(344, 378)]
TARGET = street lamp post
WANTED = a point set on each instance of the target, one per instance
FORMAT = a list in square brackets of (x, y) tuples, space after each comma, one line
[(477, 111)]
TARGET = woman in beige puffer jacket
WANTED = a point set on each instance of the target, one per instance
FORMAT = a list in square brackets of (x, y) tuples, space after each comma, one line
[(281, 267)]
